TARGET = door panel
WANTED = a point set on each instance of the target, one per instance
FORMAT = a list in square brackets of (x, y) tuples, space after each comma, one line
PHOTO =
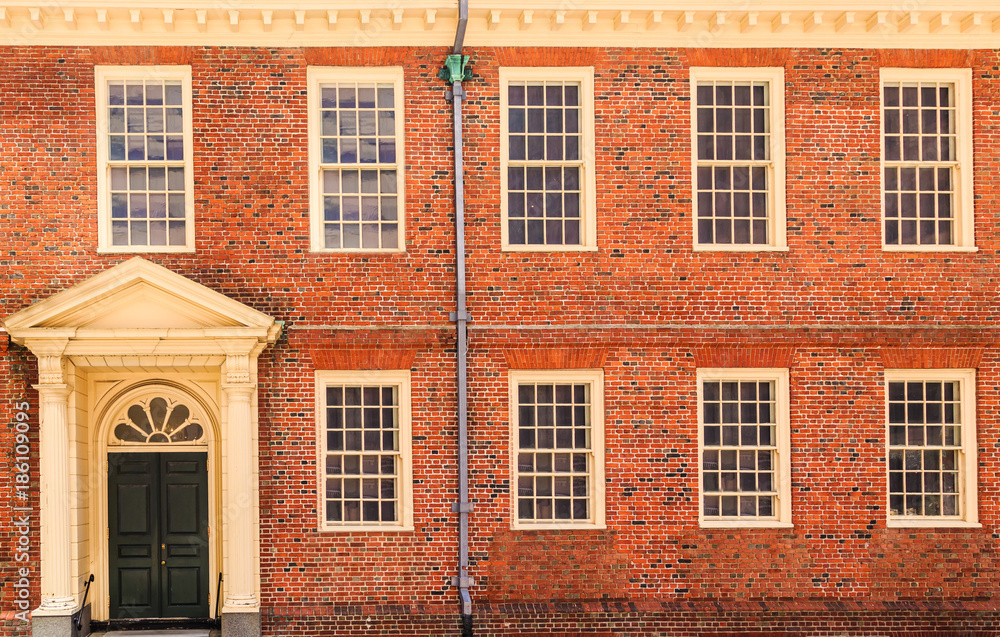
[(158, 535), (184, 525), (133, 509), (132, 535)]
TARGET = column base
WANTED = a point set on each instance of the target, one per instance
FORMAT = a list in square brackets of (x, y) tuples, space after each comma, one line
[(53, 626), (239, 625)]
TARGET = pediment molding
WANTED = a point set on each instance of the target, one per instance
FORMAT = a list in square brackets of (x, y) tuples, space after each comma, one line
[(140, 308)]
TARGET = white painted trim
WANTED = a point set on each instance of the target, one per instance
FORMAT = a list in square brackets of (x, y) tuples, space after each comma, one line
[(401, 379), (783, 517), (943, 523), (968, 24), (104, 74), (593, 377), (107, 391), (588, 180), (316, 76), (968, 476), (777, 225), (964, 202)]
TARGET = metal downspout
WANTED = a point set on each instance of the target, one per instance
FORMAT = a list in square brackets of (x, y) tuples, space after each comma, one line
[(456, 63)]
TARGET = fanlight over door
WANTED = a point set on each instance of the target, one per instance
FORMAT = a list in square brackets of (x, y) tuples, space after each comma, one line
[(161, 417)]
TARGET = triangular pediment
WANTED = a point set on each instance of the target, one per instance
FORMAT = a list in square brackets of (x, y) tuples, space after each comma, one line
[(137, 295)]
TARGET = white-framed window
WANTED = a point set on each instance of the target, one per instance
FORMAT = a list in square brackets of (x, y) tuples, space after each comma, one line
[(738, 154), (743, 438), (927, 202), (931, 447), (364, 450), (356, 159), (557, 448), (145, 178), (547, 182)]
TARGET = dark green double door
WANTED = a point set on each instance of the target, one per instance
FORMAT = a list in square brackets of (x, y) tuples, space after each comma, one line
[(158, 535)]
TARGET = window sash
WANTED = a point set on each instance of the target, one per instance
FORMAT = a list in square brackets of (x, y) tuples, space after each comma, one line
[(556, 449), (916, 490), (359, 491), (151, 106)]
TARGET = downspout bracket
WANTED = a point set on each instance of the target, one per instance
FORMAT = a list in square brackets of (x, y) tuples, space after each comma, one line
[(462, 582), (459, 316), (456, 69), (461, 507)]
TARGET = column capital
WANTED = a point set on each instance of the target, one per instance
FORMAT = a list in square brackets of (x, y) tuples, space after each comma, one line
[(52, 391), (236, 371), (239, 390), (51, 370), (51, 362)]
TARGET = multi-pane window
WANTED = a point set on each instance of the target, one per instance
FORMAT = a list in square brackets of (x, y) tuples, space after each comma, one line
[(543, 176), (920, 161), (364, 458), (738, 158), (556, 437), (144, 154), (924, 198), (744, 431), (356, 143), (547, 159), (927, 429)]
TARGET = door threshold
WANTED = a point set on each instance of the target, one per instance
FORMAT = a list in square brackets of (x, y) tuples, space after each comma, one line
[(163, 632), (173, 626)]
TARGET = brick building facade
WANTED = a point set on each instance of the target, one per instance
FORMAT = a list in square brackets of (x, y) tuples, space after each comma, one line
[(731, 294)]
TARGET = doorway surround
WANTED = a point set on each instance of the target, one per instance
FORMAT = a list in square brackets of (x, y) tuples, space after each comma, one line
[(134, 323)]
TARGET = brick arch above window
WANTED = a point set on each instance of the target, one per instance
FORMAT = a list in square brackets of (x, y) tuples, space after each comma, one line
[(556, 358), (744, 356), (931, 358)]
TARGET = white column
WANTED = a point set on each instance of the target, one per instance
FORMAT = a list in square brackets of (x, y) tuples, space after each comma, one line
[(240, 581), (58, 596)]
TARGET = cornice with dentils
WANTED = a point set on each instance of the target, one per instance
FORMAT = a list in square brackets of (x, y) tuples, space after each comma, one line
[(972, 24)]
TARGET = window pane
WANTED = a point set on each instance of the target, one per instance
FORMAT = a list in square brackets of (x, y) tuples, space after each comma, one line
[(917, 129), (145, 119), (543, 128), (744, 452), (727, 199), (370, 448), (554, 485), (923, 448)]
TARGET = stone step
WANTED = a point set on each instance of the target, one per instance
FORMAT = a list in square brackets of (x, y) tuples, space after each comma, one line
[(157, 633)]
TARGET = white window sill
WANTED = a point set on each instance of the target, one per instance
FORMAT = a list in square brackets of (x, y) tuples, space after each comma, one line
[(588, 526), (368, 528), (931, 249), (738, 248), (937, 523), (745, 524)]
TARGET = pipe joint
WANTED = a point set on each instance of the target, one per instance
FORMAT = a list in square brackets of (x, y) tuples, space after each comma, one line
[(462, 581)]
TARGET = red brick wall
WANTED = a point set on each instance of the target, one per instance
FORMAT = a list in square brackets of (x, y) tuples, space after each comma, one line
[(16, 374), (834, 308)]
